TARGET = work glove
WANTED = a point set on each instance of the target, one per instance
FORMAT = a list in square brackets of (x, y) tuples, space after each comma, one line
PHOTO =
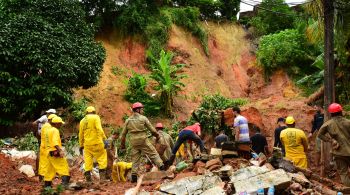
[(335, 145), (106, 144), (157, 136), (81, 149)]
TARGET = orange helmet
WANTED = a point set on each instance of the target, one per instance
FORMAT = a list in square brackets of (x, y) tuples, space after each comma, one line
[(137, 105), (159, 125), (334, 107)]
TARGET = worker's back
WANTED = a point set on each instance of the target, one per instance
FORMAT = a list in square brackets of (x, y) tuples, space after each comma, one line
[(293, 140), (91, 132), (137, 123)]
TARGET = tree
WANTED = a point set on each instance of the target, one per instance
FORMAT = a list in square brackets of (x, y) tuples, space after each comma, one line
[(168, 79), (46, 50), (273, 16), (283, 49)]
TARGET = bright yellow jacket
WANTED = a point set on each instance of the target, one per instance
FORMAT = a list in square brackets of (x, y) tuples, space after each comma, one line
[(90, 131), (294, 142), (52, 139), (43, 129)]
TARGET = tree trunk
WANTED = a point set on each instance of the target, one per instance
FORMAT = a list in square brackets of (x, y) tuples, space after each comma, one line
[(315, 96), (329, 94)]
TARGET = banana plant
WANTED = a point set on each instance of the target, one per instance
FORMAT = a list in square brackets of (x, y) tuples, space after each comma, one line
[(168, 78)]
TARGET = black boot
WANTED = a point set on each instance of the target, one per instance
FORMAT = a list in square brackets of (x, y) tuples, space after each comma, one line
[(65, 181), (133, 178), (48, 184), (41, 178), (87, 175), (171, 160)]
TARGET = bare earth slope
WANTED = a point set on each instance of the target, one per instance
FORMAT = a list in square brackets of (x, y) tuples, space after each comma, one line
[(230, 70)]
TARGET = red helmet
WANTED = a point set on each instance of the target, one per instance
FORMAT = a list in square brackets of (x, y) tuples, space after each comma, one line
[(334, 107), (159, 125), (137, 105)]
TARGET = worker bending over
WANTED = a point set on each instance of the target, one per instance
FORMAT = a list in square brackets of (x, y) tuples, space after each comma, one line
[(137, 126), (91, 140), (166, 140), (190, 133)]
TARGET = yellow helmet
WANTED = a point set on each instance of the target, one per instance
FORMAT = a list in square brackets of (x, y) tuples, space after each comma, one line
[(57, 119), (90, 109), (290, 120), (51, 116)]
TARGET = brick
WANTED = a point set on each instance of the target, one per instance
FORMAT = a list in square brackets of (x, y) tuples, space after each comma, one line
[(215, 161)]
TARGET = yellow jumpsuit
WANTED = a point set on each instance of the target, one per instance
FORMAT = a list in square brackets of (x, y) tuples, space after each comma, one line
[(137, 126), (55, 164), (91, 137), (295, 144), (123, 168), (43, 158)]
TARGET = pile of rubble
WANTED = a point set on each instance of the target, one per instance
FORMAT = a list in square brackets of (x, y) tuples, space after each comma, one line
[(239, 176)]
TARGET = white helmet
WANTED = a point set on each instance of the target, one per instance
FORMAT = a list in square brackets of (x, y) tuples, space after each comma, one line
[(52, 111)]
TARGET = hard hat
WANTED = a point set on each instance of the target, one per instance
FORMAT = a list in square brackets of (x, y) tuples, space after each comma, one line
[(57, 119), (334, 107), (51, 116), (137, 105), (159, 125), (90, 109), (52, 111), (290, 120)]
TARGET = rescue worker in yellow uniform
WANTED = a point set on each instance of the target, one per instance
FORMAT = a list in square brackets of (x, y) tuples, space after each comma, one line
[(57, 163), (120, 171), (43, 159), (137, 126), (295, 143), (92, 141)]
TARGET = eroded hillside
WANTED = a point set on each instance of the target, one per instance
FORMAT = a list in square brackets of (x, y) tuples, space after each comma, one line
[(230, 70)]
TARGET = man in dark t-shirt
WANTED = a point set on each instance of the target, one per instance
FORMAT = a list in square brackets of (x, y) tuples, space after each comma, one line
[(281, 126), (259, 143), (220, 139)]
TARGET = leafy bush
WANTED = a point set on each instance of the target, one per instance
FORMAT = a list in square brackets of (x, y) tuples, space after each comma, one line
[(46, 50), (136, 92), (168, 79), (27, 142), (71, 143), (273, 16), (78, 109), (282, 50), (209, 113)]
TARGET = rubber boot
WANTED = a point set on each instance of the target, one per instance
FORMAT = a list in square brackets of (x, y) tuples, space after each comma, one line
[(48, 184), (41, 178), (65, 181), (171, 160), (162, 168), (87, 176), (133, 178)]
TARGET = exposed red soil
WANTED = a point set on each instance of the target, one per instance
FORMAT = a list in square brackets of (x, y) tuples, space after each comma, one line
[(14, 182)]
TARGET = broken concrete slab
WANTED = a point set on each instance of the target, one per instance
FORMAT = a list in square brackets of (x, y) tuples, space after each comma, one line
[(245, 173), (277, 178), (191, 185), (28, 170)]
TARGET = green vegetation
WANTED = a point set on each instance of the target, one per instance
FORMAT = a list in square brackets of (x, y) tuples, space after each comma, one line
[(284, 49), (209, 113), (27, 142), (71, 143), (168, 79), (273, 16), (136, 92), (47, 49), (78, 109)]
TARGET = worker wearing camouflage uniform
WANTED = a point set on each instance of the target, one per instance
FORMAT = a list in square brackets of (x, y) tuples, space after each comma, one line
[(92, 141), (338, 127), (137, 126), (166, 140), (57, 163)]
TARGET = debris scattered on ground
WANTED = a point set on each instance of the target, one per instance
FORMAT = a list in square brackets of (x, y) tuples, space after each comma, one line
[(28, 170), (15, 154)]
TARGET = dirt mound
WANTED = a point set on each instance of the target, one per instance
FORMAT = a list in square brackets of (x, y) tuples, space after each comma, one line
[(14, 182)]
